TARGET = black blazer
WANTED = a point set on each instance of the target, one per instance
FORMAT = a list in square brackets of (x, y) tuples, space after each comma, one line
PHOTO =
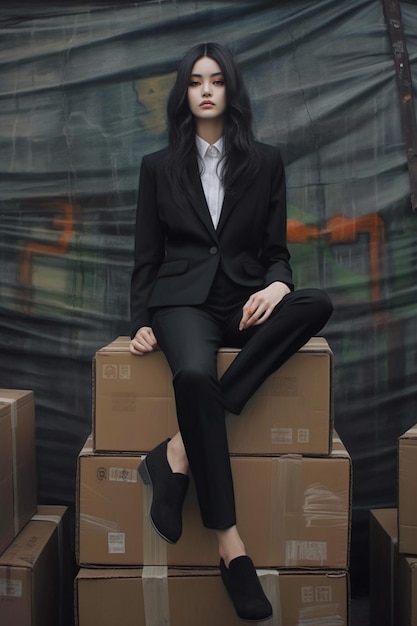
[(178, 250)]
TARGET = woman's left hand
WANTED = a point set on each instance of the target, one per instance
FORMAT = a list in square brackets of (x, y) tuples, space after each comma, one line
[(261, 304)]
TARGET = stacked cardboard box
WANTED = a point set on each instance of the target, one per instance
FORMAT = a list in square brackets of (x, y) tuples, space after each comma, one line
[(35, 572), (17, 463), (184, 597), (383, 567), (393, 546), (292, 479), (407, 527), (35, 551), (134, 407)]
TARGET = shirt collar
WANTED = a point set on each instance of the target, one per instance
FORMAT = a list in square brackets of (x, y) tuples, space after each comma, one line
[(202, 146)]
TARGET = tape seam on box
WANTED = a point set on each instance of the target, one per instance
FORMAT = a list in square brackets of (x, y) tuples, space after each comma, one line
[(286, 502), (155, 595), (13, 423), (269, 579)]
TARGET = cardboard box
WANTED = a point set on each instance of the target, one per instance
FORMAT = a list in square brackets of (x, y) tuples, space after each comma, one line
[(158, 595), (383, 567), (407, 591), (17, 463), (134, 407), (60, 517), (292, 511), (30, 589), (407, 501)]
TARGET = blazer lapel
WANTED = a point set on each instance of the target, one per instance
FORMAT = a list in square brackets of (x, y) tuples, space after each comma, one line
[(200, 203), (230, 201)]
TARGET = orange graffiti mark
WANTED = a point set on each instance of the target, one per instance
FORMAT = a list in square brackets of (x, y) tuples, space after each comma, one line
[(65, 223), (342, 229), (297, 232)]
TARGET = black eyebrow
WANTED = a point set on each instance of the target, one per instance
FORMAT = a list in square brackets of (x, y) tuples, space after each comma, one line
[(214, 74)]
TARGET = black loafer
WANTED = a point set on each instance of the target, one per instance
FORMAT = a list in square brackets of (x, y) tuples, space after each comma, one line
[(168, 493), (245, 590)]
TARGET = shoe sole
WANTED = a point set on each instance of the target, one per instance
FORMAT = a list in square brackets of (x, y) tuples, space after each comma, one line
[(245, 619), (147, 480), (255, 621), (250, 621)]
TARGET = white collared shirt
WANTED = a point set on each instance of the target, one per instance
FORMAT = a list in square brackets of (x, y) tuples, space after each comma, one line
[(209, 158)]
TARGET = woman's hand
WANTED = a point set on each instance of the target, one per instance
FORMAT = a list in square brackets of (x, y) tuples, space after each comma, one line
[(261, 304), (144, 341)]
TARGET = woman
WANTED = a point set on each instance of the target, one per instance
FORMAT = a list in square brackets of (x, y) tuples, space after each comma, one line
[(212, 269)]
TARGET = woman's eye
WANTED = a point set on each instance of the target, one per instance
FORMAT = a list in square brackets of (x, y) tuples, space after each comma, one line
[(194, 83), (218, 83)]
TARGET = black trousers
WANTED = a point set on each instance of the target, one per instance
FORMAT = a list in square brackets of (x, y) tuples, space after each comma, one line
[(190, 338)]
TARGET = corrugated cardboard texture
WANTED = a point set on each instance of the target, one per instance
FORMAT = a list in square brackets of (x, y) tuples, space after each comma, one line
[(198, 598), (383, 567), (17, 462), (292, 511), (407, 501), (29, 577), (134, 406)]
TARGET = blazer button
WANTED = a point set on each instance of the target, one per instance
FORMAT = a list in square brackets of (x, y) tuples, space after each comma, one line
[(213, 250)]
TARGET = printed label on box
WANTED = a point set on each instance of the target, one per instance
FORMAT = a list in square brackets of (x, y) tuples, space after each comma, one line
[(323, 593), (303, 435), (316, 594), (305, 551), (123, 475), (10, 588), (116, 543), (124, 372), (281, 435), (111, 371)]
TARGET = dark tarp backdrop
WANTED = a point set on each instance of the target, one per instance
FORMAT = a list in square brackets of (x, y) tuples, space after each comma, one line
[(82, 98)]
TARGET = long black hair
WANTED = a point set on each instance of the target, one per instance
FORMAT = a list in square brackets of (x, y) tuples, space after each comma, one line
[(240, 153)]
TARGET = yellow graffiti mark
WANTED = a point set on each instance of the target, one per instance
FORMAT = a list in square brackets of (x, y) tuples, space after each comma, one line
[(152, 93)]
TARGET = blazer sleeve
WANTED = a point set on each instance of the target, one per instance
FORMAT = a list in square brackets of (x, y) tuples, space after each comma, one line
[(149, 249), (275, 254)]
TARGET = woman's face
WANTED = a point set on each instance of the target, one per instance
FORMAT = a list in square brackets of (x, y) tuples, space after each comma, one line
[(207, 90)]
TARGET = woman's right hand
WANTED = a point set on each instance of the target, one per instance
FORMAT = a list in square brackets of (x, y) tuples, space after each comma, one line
[(144, 341)]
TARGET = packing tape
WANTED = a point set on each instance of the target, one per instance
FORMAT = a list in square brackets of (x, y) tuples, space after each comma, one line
[(286, 504), (13, 423), (92, 522), (154, 547), (269, 579), (57, 520), (155, 595)]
